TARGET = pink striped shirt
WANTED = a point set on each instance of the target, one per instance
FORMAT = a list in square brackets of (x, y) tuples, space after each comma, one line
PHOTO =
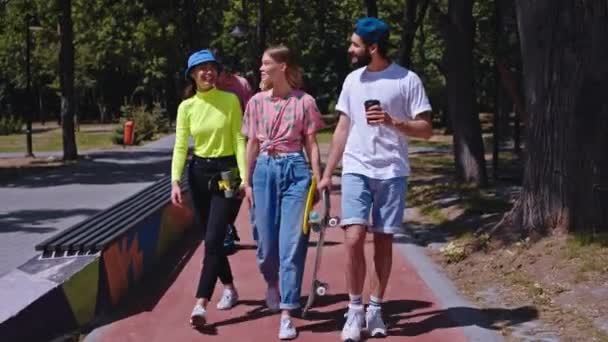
[(280, 124)]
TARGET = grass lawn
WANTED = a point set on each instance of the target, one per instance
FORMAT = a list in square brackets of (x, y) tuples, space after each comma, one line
[(324, 136), (43, 140)]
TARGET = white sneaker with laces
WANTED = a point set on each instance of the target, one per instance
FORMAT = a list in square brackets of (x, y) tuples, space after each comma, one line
[(354, 323), (198, 316), (374, 323), (287, 331), (229, 299), (273, 299)]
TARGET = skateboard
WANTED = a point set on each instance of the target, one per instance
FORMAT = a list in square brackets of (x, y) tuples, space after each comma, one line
[(318, 223)]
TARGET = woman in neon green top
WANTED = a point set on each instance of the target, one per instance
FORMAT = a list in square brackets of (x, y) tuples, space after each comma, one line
[(213, 119)]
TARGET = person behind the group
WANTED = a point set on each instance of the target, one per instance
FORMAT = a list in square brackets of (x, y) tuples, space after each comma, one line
[(229, 80), (280, 122), (213, 119), (373, 146)]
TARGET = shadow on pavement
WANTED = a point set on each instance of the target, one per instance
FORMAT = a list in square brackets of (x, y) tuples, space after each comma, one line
[(101, 168), (32, 221)]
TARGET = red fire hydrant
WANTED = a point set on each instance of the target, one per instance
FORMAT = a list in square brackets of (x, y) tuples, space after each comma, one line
[(129, 132)]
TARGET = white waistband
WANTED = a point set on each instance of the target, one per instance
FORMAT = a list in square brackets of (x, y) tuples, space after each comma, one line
[(280, 154)]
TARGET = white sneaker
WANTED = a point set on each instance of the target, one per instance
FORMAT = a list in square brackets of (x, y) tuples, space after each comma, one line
[(354, 323), (229, 299), (375, 324), (198, 316), (273, 299), (287, 331)]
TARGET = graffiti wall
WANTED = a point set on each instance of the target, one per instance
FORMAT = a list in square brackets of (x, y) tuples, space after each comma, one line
[(79, 288), (131, 256)]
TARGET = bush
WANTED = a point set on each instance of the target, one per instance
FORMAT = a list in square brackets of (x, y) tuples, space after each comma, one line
[(160, 118), (10, 124), (148, 123)]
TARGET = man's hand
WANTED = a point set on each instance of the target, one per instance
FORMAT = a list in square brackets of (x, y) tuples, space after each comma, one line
[(376, 115), (324, 184)]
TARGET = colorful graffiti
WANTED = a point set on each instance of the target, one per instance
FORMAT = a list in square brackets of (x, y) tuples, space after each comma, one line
[(90, 284), (81, 292), (123, 262), (135, 253)]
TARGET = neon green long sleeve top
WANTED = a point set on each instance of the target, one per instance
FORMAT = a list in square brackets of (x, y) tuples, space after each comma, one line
[(213, 119)]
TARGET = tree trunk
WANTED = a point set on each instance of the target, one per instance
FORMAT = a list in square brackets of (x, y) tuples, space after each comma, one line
[(468, 144), (500, 95), (101, 105), (372, 8), (41, 112), (261, 39), (261, 28), (413, 15), (565, 63), (66, 66), (191, 27)]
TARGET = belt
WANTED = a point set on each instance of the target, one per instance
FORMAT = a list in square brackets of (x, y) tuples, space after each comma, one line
[(277, 155)]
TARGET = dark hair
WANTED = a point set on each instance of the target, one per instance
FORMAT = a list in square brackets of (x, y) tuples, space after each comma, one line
[(189, 90), (383, 46), (225, 63)]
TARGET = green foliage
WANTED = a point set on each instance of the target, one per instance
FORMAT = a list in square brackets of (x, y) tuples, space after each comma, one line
[(10, 124), (135, 51), (148, 122)]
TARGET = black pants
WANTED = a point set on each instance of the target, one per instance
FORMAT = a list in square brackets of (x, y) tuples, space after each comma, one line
[(213, 214)]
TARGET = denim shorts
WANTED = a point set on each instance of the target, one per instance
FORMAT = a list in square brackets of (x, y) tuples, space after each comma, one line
[(384, 199)]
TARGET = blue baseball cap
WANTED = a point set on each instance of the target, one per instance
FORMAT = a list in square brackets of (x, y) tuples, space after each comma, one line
[(372, 30), (200, 57)]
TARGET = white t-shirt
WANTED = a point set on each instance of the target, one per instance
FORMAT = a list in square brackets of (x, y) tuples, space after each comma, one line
[(378, 151)]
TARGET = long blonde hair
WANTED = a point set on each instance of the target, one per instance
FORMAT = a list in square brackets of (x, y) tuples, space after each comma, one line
[(293, 72)]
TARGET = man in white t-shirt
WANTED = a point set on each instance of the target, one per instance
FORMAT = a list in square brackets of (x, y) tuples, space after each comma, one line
[(374, 150)]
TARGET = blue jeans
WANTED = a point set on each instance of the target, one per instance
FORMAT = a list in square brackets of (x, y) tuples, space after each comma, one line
[(280, 186)]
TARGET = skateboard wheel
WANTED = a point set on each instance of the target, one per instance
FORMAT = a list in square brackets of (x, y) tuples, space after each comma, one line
[(333, 222), (321, 291), (316, 228)]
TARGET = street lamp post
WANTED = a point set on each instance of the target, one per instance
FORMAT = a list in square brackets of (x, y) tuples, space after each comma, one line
[(241, 32), (31, 24), (238, 32)]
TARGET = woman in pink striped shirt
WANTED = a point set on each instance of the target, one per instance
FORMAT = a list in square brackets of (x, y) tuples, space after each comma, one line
[(281, 123)]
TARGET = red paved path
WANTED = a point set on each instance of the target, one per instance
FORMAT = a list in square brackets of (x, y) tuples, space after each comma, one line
[(409, 305)]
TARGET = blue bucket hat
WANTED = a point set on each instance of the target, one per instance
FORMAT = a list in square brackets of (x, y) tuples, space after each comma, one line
[(372, 30), (200, 57)]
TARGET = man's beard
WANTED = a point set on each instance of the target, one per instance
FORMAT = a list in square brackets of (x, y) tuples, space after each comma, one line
[(360, 61)]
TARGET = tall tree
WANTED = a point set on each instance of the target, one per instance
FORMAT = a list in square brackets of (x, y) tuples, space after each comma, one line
[(564, 48), (501, 101), (458, 31), (414, 12), (261, 38), (66, 70), (372, 8)]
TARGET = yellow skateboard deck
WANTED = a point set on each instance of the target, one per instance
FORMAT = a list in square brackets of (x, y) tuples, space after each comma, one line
[(309, 205)]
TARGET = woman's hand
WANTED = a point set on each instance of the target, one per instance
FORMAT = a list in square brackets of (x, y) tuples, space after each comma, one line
[(248, 194), (176, 194)]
